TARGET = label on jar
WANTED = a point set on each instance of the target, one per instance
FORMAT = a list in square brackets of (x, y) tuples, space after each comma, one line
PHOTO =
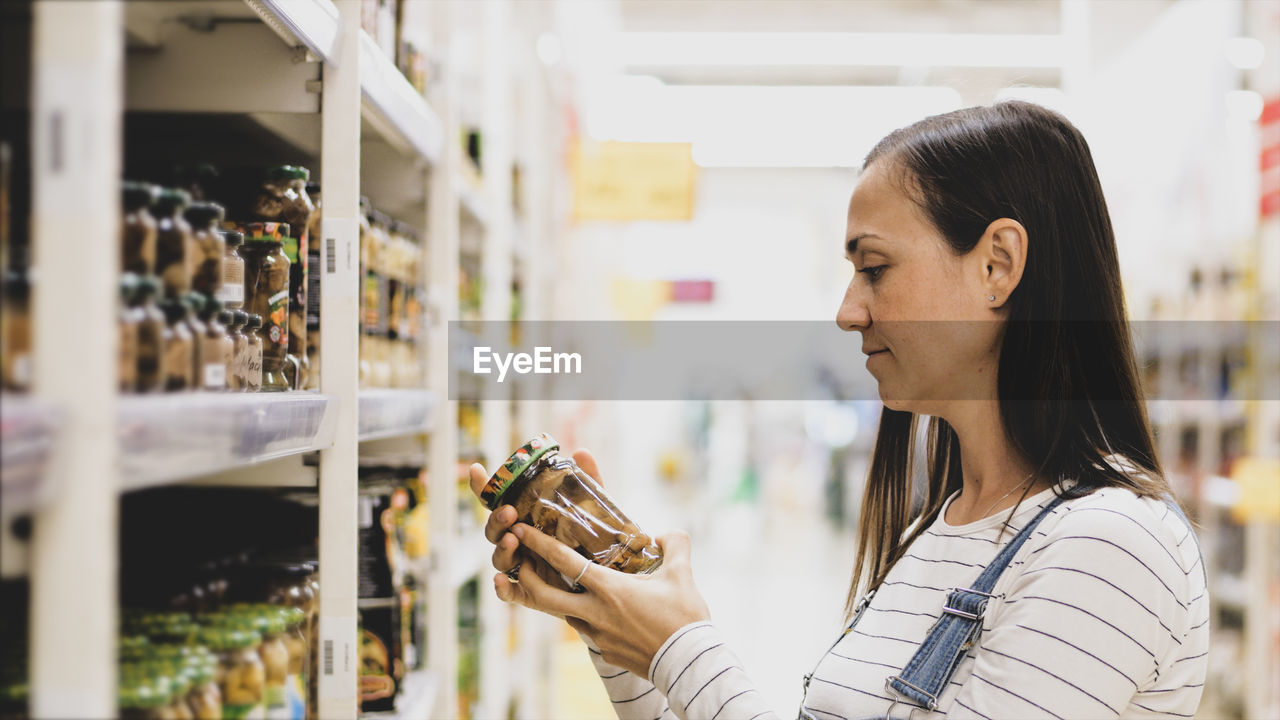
[(277, 700), (253, 369), (244, 712), (278, 314), (215, 376), (232, 293)]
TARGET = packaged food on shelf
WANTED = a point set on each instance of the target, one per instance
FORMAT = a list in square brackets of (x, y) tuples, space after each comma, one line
[(550, 492), (266, 294), (381, 661), (174, 244), (283, 198), (380, 556), (313, 288), (152, 327), (236, 369), (178, 361), (130, 318), (138, 229), (15, 316), (206, 263), (231, 292), (241, 674)]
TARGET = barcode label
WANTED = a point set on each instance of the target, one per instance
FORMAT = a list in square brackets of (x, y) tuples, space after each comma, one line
[(328, 657), (331, 259)]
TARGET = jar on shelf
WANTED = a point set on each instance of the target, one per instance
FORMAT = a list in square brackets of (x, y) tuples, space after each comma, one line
[(275, 659), (151, 336), (138, 229), (241, 675), (550, 492), (137, 697), (218, 346), (239, 342), (266, 291), (231, 293), (174, 244), (205, 698), (313, 289), (206, 264), (128, 321), (15, 323), (284, 199), (192, 302), (253, 354), (178, 361)]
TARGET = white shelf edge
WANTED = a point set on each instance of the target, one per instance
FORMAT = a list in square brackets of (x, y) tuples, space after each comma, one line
[(394, 108), (167, 439), (473, 203), (28, 427), (393, 413), (312, 24)]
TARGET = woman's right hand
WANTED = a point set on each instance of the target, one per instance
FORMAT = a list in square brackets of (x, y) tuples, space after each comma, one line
[(508, 554)]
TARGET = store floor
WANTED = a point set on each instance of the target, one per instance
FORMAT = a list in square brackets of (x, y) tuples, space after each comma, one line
[(775, 581)]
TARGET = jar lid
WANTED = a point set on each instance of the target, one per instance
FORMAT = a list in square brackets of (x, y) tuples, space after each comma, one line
[(255, 321), (288, 172), (212, 306), (173, 310), (232, 238), (128, 286), (313, 188), (293, 617), (138, 195), (265, 232), (224, 317), (148, 285), (171, 200), (520, 460), (202, 214)]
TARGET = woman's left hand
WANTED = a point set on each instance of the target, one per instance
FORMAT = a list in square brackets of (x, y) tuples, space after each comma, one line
[(628, 617)]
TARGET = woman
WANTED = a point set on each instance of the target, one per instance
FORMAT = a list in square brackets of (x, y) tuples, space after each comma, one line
[(1047, 573)]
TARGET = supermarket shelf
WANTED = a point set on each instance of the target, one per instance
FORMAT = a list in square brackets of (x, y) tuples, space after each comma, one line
[(472, 553), (392, 413), (27, 428), (394, 108), (169, 438), (312, 24)]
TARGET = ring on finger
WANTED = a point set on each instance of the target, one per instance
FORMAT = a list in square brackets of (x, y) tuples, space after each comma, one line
[(577, 582), (514, 573)]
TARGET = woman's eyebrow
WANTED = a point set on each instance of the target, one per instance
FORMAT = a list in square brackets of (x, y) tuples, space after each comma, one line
[(851, 245)]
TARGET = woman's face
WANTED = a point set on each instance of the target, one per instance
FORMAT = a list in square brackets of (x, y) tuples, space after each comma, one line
[(928, 331)]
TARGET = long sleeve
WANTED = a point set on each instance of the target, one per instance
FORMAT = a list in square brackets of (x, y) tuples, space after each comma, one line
[(695, 677)]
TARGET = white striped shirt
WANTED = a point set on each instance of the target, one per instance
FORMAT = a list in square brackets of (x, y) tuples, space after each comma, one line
[(1102, 613)]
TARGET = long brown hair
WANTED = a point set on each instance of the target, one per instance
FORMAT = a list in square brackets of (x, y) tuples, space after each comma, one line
[(1068, 383)]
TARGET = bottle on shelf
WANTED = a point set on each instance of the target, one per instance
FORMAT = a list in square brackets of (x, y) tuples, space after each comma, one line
[(206, 264), (191, 303), (266, 290), (151, 377), (130, 321), (313, 290), (253, 354), (218, 346), (173, 243), (138, 229), (231, 293), (236, 366), (284, 199), (178, 362)]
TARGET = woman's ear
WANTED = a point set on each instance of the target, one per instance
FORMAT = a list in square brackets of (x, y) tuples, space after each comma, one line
[(1003, 252)]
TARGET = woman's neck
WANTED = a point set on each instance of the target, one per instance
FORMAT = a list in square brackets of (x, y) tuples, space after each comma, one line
[(995, 476)]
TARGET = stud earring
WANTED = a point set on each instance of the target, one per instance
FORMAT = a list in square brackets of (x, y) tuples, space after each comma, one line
[(991, 298)]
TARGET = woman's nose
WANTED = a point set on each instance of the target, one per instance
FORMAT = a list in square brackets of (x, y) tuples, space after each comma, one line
[(852, 315)]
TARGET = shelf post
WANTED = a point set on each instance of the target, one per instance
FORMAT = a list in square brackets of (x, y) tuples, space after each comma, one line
[(339, 310), (77, 86)]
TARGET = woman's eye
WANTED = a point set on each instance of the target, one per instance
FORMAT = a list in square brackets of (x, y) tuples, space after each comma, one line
[(873, 272)]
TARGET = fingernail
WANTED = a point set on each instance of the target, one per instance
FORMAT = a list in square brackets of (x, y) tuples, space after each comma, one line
[(518, 531), (508, 514)]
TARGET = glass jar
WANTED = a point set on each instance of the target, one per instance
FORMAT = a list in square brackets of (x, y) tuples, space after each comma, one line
[(284, 198), (231, 293), (130, 318), (241, 676), (174, 244), (138, 229), (275, 661), (235, 366), (266, 294), (295, 641), (151, 336), (178, 361), (192, 302), (205, 698), (218, 346), (253, 354), (313, 290), (553, 494), (206, 263), (15, 323)]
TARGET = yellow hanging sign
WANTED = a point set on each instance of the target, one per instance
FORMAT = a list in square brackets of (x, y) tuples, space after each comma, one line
[(632, 181)]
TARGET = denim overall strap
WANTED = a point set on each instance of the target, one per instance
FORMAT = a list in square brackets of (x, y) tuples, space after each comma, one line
[(930, 669)]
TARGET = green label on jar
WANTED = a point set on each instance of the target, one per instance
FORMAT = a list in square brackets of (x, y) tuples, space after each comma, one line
[(254, 711)]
